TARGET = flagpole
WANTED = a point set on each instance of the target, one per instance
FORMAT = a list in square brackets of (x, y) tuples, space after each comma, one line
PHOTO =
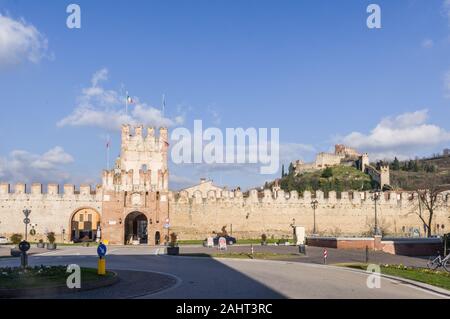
[(107, 152), (163, 104)]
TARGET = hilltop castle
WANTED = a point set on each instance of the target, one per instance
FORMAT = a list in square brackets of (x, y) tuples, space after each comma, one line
[(346, 156), (133, 204)]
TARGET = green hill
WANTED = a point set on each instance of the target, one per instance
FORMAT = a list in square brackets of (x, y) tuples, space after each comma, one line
[(338, 178), (410, 174)]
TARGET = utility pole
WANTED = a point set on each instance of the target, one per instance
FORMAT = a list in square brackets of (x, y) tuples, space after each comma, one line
[(314, 205), (375, 197)]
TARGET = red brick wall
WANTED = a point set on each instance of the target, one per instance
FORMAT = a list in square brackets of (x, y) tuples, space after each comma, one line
[(414, 247)]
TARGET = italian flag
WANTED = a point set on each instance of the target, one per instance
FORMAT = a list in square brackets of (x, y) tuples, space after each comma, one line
[(129, 100)]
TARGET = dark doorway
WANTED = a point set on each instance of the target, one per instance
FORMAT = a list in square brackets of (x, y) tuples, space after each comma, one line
[(157, 238), (136, 229)]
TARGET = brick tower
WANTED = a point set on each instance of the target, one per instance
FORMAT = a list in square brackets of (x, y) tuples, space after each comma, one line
[(135, 192)]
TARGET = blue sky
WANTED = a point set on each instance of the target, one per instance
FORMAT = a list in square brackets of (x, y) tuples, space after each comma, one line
[(311, 68)]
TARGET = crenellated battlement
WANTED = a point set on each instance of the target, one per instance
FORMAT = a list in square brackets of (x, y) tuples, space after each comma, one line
[(269, 197), (134, 136), (36, 189)]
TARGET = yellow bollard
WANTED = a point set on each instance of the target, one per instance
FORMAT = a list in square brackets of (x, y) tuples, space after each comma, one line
[(101, 271)]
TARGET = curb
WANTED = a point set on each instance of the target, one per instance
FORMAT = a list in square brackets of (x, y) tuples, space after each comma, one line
[(33, 292), (418, 284)]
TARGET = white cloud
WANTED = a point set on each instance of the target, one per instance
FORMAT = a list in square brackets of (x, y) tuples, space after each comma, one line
[(99, 107), (402, 136), (20, 41), (23, 166), (180, 182), (427, 43), (290, 152)]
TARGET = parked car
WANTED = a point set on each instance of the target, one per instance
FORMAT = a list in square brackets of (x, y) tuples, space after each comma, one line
[(230, 240), (3, 240)]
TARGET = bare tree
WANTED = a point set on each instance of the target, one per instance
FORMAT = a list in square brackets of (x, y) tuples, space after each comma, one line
[(429, 199)]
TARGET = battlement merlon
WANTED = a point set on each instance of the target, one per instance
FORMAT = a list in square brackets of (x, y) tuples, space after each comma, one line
[(269, 197), (51, 189), (129, 132)]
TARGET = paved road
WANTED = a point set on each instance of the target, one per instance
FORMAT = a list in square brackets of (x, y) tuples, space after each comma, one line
[(315, 254), (225, 278)]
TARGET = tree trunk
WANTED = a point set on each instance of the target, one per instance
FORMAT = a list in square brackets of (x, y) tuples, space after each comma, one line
[(430, 220)]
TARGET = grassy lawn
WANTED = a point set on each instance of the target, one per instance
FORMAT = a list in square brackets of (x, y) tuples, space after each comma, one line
[(49, 277), (432, 277), (242, 255)]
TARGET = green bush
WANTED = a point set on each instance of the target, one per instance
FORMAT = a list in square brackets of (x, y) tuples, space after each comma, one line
[(327, 172), (51, 237), (16, 239), (173, 240)]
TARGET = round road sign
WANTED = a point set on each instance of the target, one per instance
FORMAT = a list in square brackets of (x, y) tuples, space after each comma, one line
[(101, 250), (24, 246)]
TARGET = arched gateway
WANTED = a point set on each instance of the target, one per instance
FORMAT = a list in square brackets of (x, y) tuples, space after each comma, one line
[(84, 225), (136, 228)]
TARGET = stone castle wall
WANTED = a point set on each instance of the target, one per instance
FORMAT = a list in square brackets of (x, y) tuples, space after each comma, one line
[(51, 211), (272, 214), (198, 216)]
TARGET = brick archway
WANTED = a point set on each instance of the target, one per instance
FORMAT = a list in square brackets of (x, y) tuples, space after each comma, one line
[(83, 224), (136, 228)]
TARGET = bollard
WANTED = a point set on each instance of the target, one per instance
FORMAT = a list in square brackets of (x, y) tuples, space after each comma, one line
[(325, 256), (367, 254), (101, 271), (302, 249)]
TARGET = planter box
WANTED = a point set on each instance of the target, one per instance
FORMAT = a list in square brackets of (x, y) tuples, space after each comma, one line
[(173, 251), (15, 252), (51, 246), (40, 245)]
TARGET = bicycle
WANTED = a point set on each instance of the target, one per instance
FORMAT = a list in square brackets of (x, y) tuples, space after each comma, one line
[(439, 261)]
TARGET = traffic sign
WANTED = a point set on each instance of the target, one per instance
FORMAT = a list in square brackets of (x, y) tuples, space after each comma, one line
[(24, 246), (26, 221), (166, 226), (101, 250)]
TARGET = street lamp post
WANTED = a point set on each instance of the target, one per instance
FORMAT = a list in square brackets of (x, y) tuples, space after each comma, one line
[(375, 197), (26, 221), (314, 205)]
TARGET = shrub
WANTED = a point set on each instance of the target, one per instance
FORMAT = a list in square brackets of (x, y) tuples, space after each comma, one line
[(263, 238), (173, 240), (16, 239), (327, 172), (51, 237)]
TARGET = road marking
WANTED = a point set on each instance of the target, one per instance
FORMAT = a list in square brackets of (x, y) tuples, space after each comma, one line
[(109, 252)]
